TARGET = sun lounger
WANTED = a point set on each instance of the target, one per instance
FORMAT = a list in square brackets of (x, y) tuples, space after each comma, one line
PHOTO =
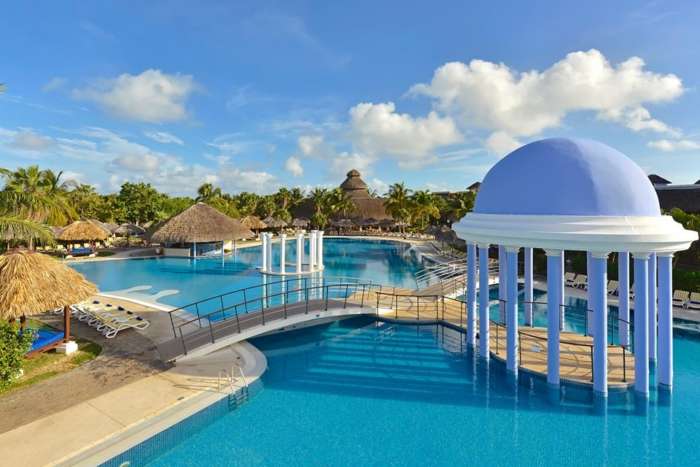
[(681, 298), (694, 302), (581, 281), (570, 277), (613, 287)]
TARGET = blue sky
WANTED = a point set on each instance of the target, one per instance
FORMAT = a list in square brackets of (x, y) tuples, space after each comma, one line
[(254, 95)]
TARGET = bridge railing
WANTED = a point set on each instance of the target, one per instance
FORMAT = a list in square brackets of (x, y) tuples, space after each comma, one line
[(260, 307)]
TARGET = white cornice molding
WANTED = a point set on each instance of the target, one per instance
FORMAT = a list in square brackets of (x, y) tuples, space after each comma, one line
[(579, 233)]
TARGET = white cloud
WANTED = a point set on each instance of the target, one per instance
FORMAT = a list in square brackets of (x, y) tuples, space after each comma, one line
[(309, 145), (379, 185), (152, 96), (378, 130), (293, 166), (163, 137), (233, 179), (343, 162), (495, 97), (501, 143), (28, 140), (667, 145), (54, 84)]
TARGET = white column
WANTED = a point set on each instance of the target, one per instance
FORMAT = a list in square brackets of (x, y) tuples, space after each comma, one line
[(283, 253), (641, 323), (471, 294), (562, 290), (319, 249), (665, 372), (269, 252), (651, 306), (312, 250), (623, 295), (600, 322), (300, 252), (512, 309), (484, 300), (502, 282), (590, 294), (264, 239), (529, 296), (554, 274)]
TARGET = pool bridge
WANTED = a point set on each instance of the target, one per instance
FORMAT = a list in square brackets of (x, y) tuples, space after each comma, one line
[(216, 322)]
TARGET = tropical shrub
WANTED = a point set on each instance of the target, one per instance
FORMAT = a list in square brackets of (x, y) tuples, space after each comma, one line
[(13, 346)]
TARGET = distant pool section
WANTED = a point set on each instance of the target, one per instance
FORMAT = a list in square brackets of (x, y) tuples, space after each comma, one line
[(178, 281)]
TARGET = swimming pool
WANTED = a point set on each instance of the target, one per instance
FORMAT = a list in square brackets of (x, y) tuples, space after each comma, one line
[(357, 392), (380, 261)]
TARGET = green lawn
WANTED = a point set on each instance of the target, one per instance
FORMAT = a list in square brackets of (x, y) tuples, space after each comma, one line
[(51, 363)]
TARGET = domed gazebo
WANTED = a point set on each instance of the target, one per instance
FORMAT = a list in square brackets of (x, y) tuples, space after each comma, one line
[(572, 194)]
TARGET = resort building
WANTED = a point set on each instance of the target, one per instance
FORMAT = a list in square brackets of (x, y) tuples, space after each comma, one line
[(200, 230), (684, 197)]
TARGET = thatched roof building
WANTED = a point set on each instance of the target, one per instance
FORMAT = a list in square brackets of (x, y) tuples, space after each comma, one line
[(83, 231), (274, 223), (32, 283), (253, 223), (366, 206), (129, 230), (200, 223)]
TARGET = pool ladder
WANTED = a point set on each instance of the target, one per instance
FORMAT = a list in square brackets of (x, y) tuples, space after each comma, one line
[(237, 396)]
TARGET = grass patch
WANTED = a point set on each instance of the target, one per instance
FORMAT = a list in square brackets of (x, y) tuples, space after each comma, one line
[(49, 364)]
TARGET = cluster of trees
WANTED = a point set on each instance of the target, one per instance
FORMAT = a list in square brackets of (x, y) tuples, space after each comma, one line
[(31, 199)]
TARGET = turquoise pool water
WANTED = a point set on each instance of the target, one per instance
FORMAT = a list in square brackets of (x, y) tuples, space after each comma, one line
[(384, 262), (362, 393)]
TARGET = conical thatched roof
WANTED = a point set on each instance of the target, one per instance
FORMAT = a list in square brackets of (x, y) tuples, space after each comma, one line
[(32, 283), (354, 186), (274, 223), (110, 226), (83, 231), (129, 229), (200, 223), (301, 222), (253, 223)]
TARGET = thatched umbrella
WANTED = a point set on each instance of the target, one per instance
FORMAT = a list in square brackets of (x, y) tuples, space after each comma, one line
[(371, 222), (253, 223), (129, 230), (301, 222), (83, 231), (32, 283), (274, 223), (343, 223), (200, 223), (109, 226)]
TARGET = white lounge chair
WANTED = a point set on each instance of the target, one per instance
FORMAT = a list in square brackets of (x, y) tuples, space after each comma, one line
[(569, 277), (613, 287), (694, 302), (581, 281), (681, 298)]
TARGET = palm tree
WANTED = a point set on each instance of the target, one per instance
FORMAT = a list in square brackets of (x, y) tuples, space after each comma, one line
[(23, 230), (339, 203), (207, 192), (319, 200), (38, 195), (398, 202), (423, 208)]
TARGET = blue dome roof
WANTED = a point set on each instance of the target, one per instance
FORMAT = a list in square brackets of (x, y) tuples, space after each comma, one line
[(567, 177)]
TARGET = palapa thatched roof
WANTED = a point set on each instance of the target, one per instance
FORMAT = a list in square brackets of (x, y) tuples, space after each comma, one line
[(83, 231), (354, 185), (129, 229), (32, 283), (301, 222), (200, 223), (345, 223), (274, 223), (253, 223), (110, 226)]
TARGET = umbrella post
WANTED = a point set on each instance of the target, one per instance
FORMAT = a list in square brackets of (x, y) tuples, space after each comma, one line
[(67, 346)]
